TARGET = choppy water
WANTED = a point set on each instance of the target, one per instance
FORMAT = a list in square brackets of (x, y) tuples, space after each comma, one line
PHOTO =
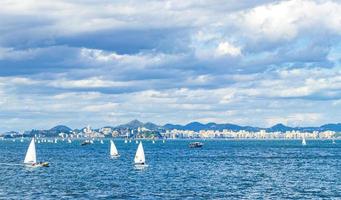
[(220, 170)]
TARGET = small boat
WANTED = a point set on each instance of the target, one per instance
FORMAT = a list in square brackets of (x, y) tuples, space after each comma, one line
[(113, 150), (333, 142), (153, 141), (163, 141), (303, 141), (31, 157), (125, 141), (140, 159), (102, 142), (86, 142), (136, 142), (69, 141), (195, 144)]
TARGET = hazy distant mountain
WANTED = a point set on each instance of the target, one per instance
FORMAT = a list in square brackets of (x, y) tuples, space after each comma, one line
[(173, 126), (61, 129), (279, 128), (131, 125), (197, 126), (136, 124), (333, 127), (151, 126), (194, 126)]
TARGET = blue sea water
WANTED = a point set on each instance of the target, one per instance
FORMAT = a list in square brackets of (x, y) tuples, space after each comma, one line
[(232, 169)]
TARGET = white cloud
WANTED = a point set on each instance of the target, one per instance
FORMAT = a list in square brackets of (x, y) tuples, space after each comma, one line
[(284, 20), (225, 48), (92, 82)]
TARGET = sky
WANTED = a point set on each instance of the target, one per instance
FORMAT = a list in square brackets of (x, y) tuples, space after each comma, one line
[(103, 62)]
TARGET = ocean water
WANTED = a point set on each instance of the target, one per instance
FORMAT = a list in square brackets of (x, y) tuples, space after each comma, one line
[(233, 169)]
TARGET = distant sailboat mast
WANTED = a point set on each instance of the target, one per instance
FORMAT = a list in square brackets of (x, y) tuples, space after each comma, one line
[(303, 141)]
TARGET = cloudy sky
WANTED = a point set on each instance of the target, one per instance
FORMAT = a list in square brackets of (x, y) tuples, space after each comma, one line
[(106, 62)]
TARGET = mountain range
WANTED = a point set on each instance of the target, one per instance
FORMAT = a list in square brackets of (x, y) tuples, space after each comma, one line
[(193, 126)]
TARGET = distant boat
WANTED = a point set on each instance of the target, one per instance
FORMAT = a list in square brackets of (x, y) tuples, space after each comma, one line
[(163, 141), (303, 141), (86, 142), (125, 141), (153, 141), (113, 150), (136, 142), (55, 141), (31, 156), (139, 156), (196, 145), (102, 142), (129, 141), (333, 141), (69, 141)]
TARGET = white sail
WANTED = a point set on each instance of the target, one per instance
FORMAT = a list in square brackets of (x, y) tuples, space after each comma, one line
[(31, 156), (113, 149), (304, 142), (139, 156)]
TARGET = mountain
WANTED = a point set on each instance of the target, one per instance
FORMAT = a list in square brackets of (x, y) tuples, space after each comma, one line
[(151, 126), (279, 128), (60, 129), (331, 127), (131, 125), (197, 126), (172, 126), (194, 126), (136, 124)]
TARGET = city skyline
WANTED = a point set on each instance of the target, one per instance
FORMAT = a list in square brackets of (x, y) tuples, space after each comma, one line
[(108, 62)]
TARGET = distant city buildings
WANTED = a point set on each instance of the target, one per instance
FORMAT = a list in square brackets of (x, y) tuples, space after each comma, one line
[(143, 132), (262, 134)]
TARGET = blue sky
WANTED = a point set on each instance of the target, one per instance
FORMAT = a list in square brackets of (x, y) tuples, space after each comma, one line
[(102, 62)]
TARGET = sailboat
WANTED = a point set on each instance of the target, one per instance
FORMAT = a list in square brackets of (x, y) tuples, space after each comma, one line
[(113, 150), (303, 141), (31, 156), (153, 141), (102, 142), (140, 159)]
